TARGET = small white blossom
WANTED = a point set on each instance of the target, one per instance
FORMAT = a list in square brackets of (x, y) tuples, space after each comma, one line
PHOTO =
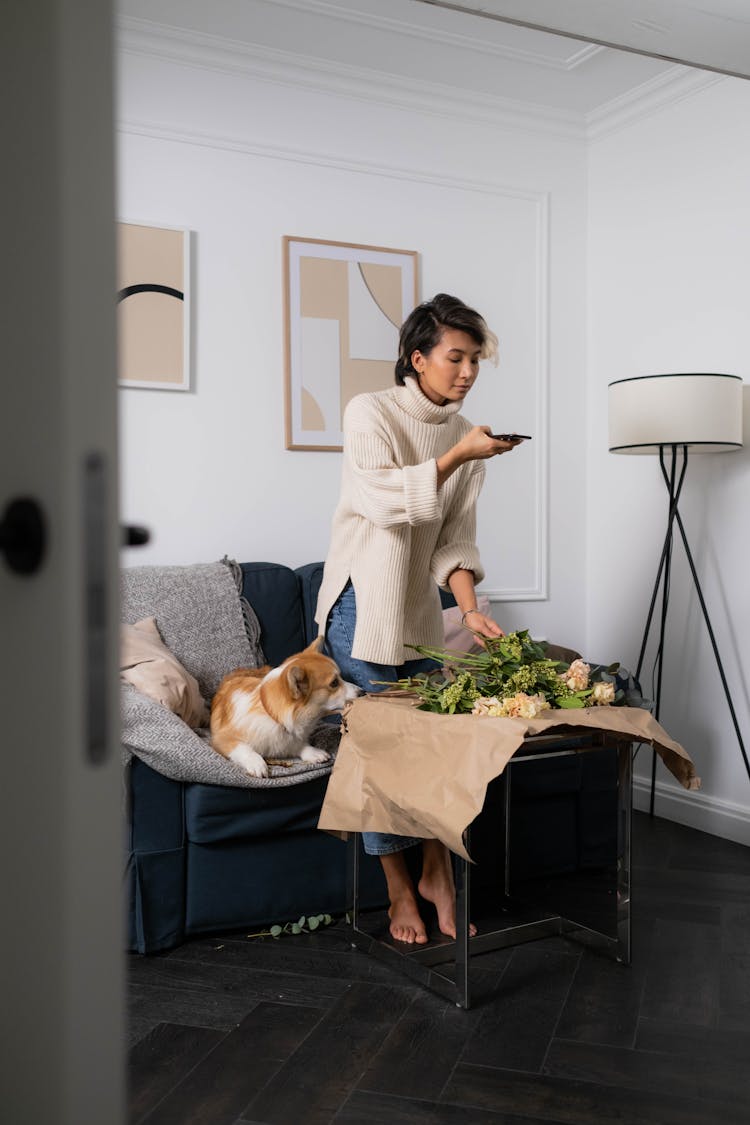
[(487, 705)]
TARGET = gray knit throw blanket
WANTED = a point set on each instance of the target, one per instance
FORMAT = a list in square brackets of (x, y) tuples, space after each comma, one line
[(211, 629)]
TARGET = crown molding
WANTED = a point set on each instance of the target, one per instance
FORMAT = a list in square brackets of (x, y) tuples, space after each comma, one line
[(667, 89), (201, 50), (581, 54), (269, 64)]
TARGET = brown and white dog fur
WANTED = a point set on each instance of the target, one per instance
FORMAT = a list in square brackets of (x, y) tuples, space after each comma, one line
[(259, 714)]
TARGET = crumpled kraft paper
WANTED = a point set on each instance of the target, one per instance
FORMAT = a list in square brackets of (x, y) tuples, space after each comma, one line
[(415, 773)]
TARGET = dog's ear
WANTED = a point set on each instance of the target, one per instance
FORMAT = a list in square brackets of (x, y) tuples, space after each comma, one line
[(296, 677), (316, 645)]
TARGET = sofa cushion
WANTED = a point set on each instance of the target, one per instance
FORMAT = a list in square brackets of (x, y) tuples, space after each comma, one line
[(274, 594), (147, 664), (214, 813)]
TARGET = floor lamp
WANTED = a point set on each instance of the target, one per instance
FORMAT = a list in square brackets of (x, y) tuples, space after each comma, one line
[(670, 415)]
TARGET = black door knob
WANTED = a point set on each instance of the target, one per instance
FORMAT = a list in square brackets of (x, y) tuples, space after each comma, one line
[(23, 535), (134, 536)]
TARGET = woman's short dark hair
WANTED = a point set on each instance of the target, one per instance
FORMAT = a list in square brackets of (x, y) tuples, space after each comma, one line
[(424, 327)]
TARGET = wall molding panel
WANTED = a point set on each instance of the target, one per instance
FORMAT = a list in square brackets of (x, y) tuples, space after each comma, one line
[(537, 488)]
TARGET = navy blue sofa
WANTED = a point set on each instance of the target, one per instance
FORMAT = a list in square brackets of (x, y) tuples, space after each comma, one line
[(207, 858), (203, 858)]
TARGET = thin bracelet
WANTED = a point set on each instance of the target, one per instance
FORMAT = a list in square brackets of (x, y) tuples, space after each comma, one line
[(468, 611)]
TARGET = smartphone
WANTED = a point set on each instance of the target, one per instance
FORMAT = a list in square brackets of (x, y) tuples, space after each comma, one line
[(511, 437)]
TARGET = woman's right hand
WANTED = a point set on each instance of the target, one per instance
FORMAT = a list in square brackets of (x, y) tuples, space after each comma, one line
[(479, 445)]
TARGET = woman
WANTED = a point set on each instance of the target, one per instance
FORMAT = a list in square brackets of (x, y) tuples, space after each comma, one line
[(405, 525)]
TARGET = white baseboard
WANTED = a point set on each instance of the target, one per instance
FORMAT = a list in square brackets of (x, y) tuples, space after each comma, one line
[(707, 814)]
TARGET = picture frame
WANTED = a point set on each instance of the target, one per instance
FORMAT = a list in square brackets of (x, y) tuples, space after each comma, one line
[(344, 304), (153, 306)]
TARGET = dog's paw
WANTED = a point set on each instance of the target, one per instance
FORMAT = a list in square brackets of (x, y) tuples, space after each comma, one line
[(250, 761), (257, 768), (311, 754)]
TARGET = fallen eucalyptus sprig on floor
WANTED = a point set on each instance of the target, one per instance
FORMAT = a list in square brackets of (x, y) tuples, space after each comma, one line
[(303, 925)]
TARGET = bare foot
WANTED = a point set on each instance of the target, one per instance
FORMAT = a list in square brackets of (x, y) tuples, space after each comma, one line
[(406, 922), (437, 887)]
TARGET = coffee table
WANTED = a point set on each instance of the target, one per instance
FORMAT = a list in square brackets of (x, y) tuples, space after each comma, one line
[(444, 965)]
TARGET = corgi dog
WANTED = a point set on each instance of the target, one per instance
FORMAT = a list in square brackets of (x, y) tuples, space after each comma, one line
[(259, 714)]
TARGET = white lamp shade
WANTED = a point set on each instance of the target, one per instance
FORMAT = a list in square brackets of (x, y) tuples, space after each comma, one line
[(703, 412)]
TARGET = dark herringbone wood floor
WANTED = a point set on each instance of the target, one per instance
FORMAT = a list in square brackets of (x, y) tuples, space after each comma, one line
[(305, 1031)]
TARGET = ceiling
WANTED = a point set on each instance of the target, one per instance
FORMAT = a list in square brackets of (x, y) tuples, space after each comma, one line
[(460, 54), (713, 34)]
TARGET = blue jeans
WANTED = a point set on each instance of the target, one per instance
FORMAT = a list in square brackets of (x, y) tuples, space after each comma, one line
[(339, 640)]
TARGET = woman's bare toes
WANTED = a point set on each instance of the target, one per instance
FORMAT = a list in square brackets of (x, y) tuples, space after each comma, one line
[(406, 923), (408, 934)]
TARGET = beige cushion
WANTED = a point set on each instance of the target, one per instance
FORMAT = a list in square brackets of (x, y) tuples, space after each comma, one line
[(147, 664), (456, 636)]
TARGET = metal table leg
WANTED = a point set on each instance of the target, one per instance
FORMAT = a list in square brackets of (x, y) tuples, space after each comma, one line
[(463, 883), (624, 826)]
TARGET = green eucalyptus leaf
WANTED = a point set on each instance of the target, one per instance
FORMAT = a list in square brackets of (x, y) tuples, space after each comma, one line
[(313, 923), (296, 928), (276, 931)]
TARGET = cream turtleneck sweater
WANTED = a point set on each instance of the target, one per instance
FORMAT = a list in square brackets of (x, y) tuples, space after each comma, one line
[(395, 534)]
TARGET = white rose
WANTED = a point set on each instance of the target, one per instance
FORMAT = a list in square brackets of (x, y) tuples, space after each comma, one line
[(532, 706), (603, 694), (577, 676)]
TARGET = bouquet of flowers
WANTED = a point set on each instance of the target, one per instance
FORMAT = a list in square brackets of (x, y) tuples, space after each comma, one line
[(511, 677)]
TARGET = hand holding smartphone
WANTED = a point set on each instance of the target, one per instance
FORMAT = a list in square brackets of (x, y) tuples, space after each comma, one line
[(511, 437)]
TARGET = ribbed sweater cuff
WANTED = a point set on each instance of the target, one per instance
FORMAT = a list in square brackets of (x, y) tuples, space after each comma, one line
[(421, 498), (456, 556)]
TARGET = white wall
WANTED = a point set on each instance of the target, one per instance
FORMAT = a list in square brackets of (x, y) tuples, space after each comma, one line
[(234, 142), (669, 246), (207, 141)]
